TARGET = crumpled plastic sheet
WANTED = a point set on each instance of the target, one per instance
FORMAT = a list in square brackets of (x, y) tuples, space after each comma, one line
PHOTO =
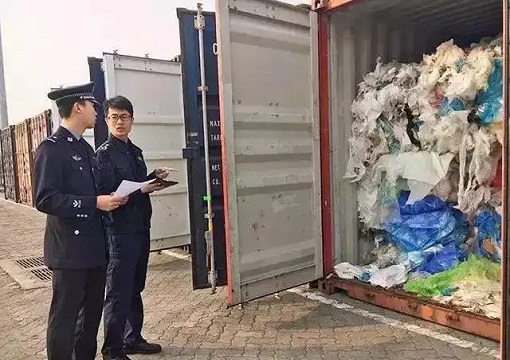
[(419, 172), (473, 285), (474, 269), (389, 277), (440, 66), (427, 133), (426, 223), (448, 106), (375, 204), (380, 119), (481, 297), (415, 259), (386, 255), (488, 226), (447, 188), (472, 76), (429, 130), (348, 271), (422, 170), (481, 171), (433, 260), (446, 259), (449, 132), (496, 200), (490, 101)]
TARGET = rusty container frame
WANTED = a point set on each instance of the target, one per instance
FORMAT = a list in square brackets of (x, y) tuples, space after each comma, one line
[(425, 309), (24, 161), (40, 129), (8, 141), (400, 301), (2, 176)]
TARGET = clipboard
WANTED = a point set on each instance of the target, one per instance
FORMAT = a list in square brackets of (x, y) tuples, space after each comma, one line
[(165, 183)]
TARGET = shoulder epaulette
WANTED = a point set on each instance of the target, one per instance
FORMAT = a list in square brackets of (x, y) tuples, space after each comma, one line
[(53, 138)]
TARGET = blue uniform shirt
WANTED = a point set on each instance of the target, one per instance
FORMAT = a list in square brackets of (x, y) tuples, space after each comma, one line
[(117, 161), (65, 187)]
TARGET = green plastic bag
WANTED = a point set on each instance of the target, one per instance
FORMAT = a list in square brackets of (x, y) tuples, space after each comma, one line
[(474, 270)]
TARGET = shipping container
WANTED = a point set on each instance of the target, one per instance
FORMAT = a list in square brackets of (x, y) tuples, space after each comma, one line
[(24, 161), (100, 132), (158, 130), (194, 151), (40, 129), (287, 80), (7, 139), (2, 178)]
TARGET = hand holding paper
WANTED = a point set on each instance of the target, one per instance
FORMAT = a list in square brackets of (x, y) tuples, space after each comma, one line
[(127, 187)]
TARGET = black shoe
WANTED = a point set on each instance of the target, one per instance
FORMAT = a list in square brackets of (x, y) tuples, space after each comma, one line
[(143, 347)]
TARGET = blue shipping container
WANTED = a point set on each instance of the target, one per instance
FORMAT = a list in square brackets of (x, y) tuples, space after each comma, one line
[(97, 76), (194, 152)]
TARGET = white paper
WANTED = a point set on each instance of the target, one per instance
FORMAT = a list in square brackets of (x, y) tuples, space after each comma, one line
[(127, 187)]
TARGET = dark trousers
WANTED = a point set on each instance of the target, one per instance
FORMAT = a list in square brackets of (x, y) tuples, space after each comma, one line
[(75, 313), (123, 311)]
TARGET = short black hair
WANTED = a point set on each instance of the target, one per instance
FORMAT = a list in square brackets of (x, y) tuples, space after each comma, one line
[(65, 110), (118, 102)]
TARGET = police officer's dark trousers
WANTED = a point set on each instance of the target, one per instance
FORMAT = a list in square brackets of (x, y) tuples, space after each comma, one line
[(75, 313), (127, 270)]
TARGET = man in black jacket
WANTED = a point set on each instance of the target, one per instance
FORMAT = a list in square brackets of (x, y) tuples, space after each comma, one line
[(128, 230), (65, 179)]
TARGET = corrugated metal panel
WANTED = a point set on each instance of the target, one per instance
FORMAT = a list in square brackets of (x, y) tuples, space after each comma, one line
[(155, 89), (40, 128), (23, 155), (359, 34), (7, 139), (271, 153), (450, 18)]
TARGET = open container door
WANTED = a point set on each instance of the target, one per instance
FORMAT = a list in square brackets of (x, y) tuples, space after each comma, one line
[(195, 150), (154, 87), (268, 80)]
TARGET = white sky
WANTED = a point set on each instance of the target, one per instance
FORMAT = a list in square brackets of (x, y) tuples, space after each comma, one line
[(46, 42)]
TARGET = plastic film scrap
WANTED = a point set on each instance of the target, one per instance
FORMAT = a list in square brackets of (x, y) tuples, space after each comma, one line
[(425, 155)]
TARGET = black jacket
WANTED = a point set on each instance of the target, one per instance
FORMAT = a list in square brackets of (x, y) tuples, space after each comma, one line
[(65, 188), (117, 161)]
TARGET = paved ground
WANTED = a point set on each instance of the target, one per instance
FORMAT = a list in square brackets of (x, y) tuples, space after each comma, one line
[(196, 325)]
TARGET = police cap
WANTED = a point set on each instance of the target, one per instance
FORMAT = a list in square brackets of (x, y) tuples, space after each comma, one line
[(72, 94)]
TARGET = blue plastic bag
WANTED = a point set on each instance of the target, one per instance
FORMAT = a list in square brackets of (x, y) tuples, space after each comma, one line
[(446, 259), (489, 102), (425, 223), (488, 224)]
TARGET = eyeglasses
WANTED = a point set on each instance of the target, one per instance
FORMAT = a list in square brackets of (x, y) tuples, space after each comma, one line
[(123, 118)]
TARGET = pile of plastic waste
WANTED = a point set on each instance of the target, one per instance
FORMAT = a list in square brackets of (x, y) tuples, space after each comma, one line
[(425, 154)]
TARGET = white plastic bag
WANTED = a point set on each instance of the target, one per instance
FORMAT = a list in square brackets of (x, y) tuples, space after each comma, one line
[(389, 277), (347, 271)]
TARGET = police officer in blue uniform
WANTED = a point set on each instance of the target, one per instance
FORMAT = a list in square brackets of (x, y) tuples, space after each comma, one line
[(65, 187), (128, 235)]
